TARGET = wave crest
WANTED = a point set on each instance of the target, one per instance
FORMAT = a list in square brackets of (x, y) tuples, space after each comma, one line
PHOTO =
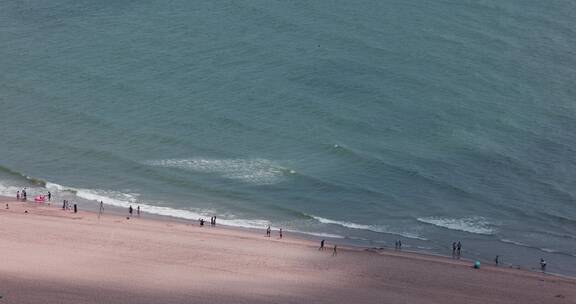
[(476, 224), (373, 228), (256, 171)]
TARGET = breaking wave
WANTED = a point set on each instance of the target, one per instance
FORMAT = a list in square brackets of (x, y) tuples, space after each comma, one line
[(476, 224), (373, 228), (255, 171)]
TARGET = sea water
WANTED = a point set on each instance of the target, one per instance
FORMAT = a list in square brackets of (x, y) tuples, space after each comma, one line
[(363, 122)]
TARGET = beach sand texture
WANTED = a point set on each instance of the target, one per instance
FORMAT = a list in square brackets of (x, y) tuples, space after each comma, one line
[(54, 256)]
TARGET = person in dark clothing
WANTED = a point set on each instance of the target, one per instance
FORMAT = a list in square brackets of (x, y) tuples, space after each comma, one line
[(101, 209), (138, 210), (453, 249), (268, 231), (334, 251), (458, 248), (321, 245), (49, 196), (542, 264), (130, 210), (280, 232), (497, 260)]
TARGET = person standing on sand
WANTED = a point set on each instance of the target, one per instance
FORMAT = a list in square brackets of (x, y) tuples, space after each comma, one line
[(321, 245), (101, 209), (138, 210), (130, 210), (280, 232), (17, 195), (458, 248), (268, 231), (399, 245), (497, 260), (49, 196), (453, 249), (334, 251)]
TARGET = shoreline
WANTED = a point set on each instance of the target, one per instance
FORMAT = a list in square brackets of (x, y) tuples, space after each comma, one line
[(475, 247), (77, 258), (343, 243)]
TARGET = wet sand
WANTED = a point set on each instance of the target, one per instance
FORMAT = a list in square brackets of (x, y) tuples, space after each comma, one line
[(55, 256)]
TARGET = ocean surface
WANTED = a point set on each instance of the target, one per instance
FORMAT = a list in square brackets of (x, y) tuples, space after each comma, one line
[(362, 122)]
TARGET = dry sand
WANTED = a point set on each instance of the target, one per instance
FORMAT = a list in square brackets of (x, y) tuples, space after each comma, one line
[(54, 256)]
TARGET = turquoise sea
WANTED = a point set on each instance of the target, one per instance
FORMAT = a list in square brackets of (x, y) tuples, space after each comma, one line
[(362, 122)]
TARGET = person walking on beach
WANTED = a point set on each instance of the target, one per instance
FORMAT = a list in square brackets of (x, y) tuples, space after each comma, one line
[(49, 196), (497, 260), (130, 210), (335, 250), (214, 220), (138, 210), (542, 265), (268, 231), (453, 249), (321, 245), (399, 245), (17, 195), (101, 209), (458, 248), (280, 232)]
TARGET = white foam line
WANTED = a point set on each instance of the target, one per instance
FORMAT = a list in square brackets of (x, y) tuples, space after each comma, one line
[(373, 228), (477, 225)]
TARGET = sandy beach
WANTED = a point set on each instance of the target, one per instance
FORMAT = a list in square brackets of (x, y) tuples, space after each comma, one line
[(55, 256)]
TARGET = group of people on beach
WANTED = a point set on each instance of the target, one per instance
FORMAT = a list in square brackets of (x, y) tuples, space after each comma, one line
[(212, 221), (456, 249), (66, 205), (269, 232), (131, 210), (21, 195), (334, 250)]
